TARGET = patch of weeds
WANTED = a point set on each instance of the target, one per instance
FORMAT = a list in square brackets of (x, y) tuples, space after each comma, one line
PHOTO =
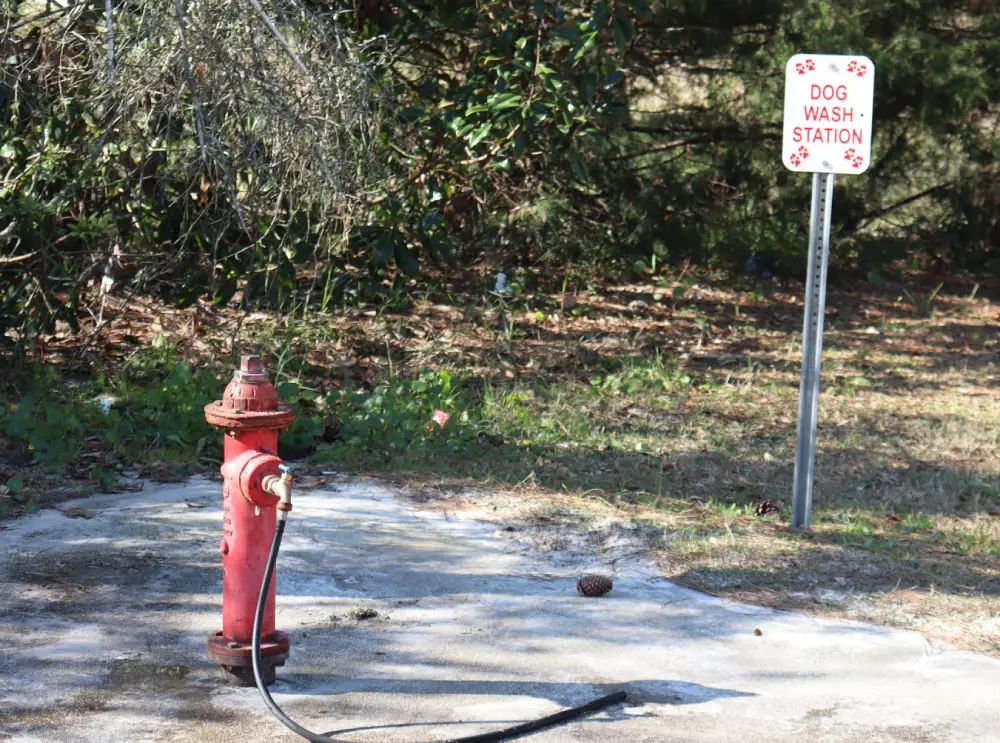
[(642, 377), (851, 386), (361, 613), (45, 423), (860, 529), (162, 421), (612, 409), (664, 502), (304, 436), (400, 417), (977, 540), (151, 413), (540, 418), (923, 304), (13, 496), (915, 522), (730, 510), (150, 366)]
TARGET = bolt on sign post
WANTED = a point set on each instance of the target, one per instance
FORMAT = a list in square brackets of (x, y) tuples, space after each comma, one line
[(827, 130)]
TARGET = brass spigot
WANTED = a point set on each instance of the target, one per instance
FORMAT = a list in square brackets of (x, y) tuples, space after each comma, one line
[(280, 486)]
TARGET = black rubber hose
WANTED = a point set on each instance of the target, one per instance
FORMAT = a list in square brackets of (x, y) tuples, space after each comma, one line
[(505, 734)]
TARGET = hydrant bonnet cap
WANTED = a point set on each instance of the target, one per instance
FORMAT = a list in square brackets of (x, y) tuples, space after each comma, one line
[(250, 401)]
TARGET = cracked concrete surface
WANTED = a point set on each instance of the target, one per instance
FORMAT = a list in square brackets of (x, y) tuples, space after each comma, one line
[(103, 623)]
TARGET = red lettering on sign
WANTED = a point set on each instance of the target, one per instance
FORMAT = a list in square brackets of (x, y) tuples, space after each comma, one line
[(835, 114), (826, 135), (828, 92)]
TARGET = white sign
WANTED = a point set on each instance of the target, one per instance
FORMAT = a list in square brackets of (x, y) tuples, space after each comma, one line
[(828, 113)]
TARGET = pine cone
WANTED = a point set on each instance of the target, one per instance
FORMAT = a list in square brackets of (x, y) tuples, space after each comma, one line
[(593, 585), (766, 508)]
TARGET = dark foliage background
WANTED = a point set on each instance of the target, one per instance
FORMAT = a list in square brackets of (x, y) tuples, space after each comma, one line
[(609, 136)]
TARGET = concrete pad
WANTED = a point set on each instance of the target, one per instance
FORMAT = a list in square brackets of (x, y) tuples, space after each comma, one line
[(103, 623)]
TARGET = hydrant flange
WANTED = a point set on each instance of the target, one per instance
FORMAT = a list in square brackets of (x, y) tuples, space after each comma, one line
[(236, 658), (233, 419)]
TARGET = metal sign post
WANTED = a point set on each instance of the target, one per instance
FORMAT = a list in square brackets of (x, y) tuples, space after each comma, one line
[(827, 129), (812, 347)]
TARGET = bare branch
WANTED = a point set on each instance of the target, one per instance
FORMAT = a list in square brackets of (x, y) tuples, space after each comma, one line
[(18, 258), (52, 12), (762, 137), (109, 19), (279, 36), (186, 61)]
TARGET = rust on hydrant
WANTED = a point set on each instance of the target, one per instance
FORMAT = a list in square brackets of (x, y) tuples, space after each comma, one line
[(250, 402), (250, 413)]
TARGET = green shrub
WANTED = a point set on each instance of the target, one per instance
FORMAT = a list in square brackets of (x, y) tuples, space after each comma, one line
[(398, 417), (151, 412)]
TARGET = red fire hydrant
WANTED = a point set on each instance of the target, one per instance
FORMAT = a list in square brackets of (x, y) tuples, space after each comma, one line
[(255, 483)]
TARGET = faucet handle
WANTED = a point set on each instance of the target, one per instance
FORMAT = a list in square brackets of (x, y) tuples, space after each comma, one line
[(282, 487)]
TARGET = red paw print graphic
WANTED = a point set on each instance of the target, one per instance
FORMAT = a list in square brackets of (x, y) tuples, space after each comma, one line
[(857, 162), (803, 153), (795, 160), (849, 154), (810, 65), (800, 68), (803, 67), (857, 68)]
